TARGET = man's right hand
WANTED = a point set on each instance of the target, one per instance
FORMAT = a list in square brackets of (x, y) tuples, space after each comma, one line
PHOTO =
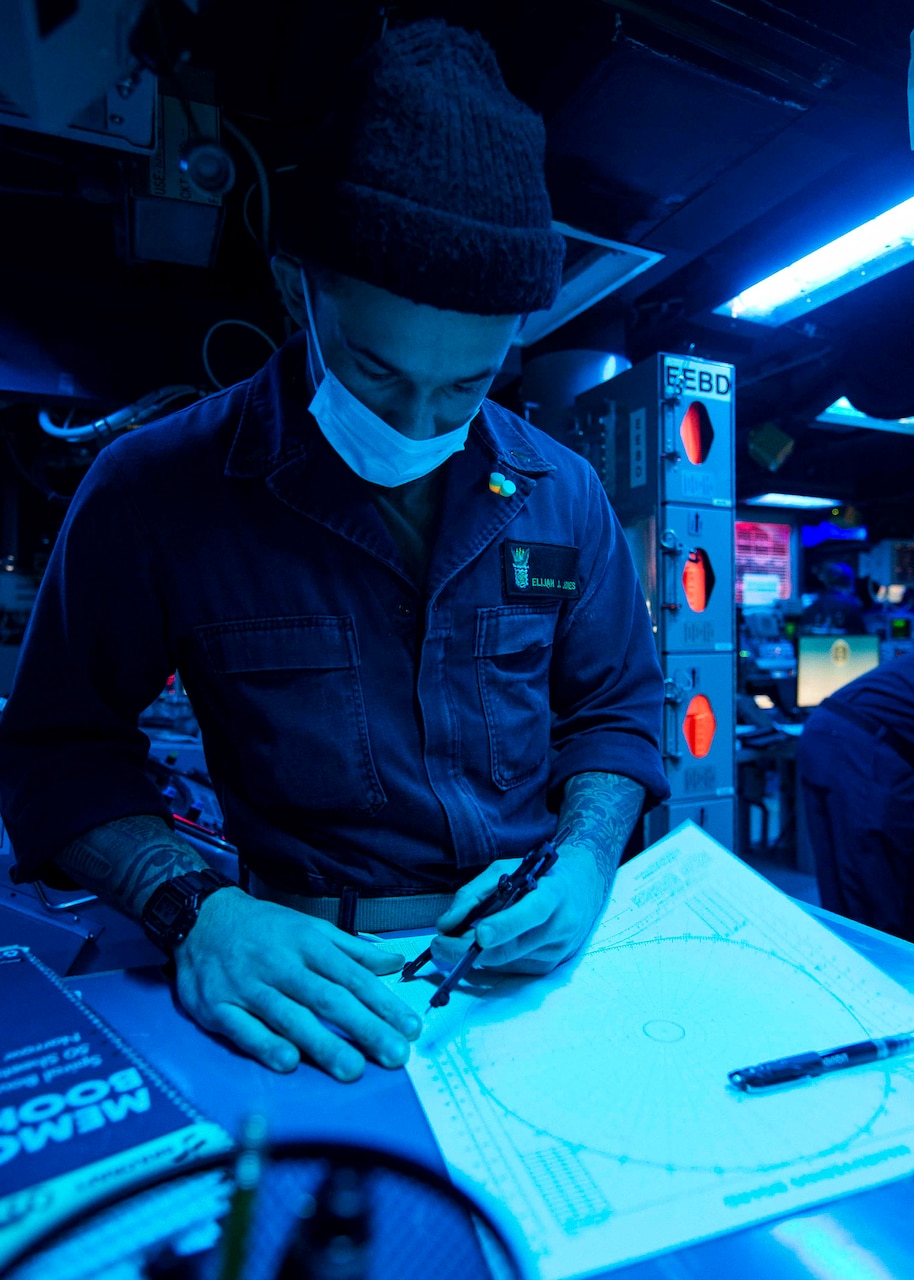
[(269, 979)]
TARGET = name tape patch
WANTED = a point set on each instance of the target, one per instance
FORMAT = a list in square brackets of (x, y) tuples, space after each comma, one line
[(541, 569)]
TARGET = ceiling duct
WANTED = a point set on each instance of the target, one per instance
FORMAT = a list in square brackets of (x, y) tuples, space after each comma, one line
[(66, 70), (594, 268)]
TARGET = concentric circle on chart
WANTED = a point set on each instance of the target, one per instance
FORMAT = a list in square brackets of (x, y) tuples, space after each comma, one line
[(643, 1048), (664, 1030)]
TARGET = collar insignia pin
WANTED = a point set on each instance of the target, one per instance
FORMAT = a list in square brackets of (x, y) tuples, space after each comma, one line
[(498, 484)]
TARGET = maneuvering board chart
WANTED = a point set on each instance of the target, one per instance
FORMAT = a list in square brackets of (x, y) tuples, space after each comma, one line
[(594, 1104)]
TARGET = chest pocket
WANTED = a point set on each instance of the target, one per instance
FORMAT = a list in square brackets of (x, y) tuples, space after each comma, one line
[(513, 656), (291, 702)]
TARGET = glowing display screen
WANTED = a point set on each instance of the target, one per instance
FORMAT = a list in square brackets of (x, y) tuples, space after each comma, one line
[(763, 548)]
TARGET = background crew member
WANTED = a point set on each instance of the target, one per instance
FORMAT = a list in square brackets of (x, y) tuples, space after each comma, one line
[(406, 674), (856, 767), (836, 609)]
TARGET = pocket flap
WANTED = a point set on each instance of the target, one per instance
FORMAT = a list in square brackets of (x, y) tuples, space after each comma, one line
[(281, 644), (512, 630)]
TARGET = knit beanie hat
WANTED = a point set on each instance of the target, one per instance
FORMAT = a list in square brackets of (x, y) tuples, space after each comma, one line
[(427, 180)]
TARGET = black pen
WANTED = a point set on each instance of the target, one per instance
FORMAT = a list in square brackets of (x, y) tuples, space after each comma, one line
[(767, 1075), (510, 889)]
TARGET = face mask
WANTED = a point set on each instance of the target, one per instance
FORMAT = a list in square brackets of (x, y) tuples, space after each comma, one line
[(374, 450)]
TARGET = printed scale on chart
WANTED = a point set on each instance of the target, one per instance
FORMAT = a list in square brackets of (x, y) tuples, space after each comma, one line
[(593, 1103)]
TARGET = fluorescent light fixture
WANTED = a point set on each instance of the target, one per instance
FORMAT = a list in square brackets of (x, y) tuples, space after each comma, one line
[(594, 268), (866, 253), (801, 501), (843, 414)]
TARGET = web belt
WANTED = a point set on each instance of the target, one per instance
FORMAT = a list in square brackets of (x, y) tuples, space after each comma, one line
[(357, 914)]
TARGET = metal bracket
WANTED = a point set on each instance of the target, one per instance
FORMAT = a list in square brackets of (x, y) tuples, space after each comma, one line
[(54, 907)]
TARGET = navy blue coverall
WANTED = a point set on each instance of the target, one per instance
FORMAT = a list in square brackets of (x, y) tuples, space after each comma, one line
[(360, 728), (856, 767)]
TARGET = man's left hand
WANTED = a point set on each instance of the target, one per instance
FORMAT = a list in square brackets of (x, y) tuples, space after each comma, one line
[(537, 933)]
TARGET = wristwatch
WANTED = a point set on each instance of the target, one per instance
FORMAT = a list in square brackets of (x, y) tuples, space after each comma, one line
[(172, 909)]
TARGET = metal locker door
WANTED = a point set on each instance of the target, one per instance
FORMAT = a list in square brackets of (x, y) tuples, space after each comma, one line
[(695, 580), (696, 430), (698, 730)]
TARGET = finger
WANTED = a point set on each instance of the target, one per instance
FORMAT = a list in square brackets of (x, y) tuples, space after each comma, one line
[(538, 950), (347, 976), (538, 964), (312, 1037), (296, 1015), (447, 951), (529, 953), (252, 1037), (373, 957), (518, 952), (469, 896), (378, 959), (532, 912)]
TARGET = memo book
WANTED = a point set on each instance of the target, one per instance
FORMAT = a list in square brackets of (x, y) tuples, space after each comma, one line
[(82, 1114)]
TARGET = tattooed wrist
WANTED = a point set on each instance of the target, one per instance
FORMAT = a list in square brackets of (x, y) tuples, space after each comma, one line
[(598, 813), (123, 861)]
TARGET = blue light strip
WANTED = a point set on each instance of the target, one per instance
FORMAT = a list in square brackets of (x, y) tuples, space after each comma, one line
[(843, 414), (798, 500), (863, 254)]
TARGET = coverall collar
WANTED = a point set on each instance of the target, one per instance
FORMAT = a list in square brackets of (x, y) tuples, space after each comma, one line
[(278, 440), (276, 426)]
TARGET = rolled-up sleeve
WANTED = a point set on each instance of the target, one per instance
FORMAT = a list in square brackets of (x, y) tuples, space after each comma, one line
[(607, 686), (95, 654)]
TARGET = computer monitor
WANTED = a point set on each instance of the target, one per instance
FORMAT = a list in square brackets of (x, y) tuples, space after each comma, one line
[(763, 562), (825, 663)]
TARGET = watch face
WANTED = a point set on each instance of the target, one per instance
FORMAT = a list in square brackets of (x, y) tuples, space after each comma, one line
[(172, 908), (167, 910), (169, 914)]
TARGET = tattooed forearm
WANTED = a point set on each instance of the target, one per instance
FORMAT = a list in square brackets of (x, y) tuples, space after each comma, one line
[(598, 813), (123, 861), (85, 864)]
